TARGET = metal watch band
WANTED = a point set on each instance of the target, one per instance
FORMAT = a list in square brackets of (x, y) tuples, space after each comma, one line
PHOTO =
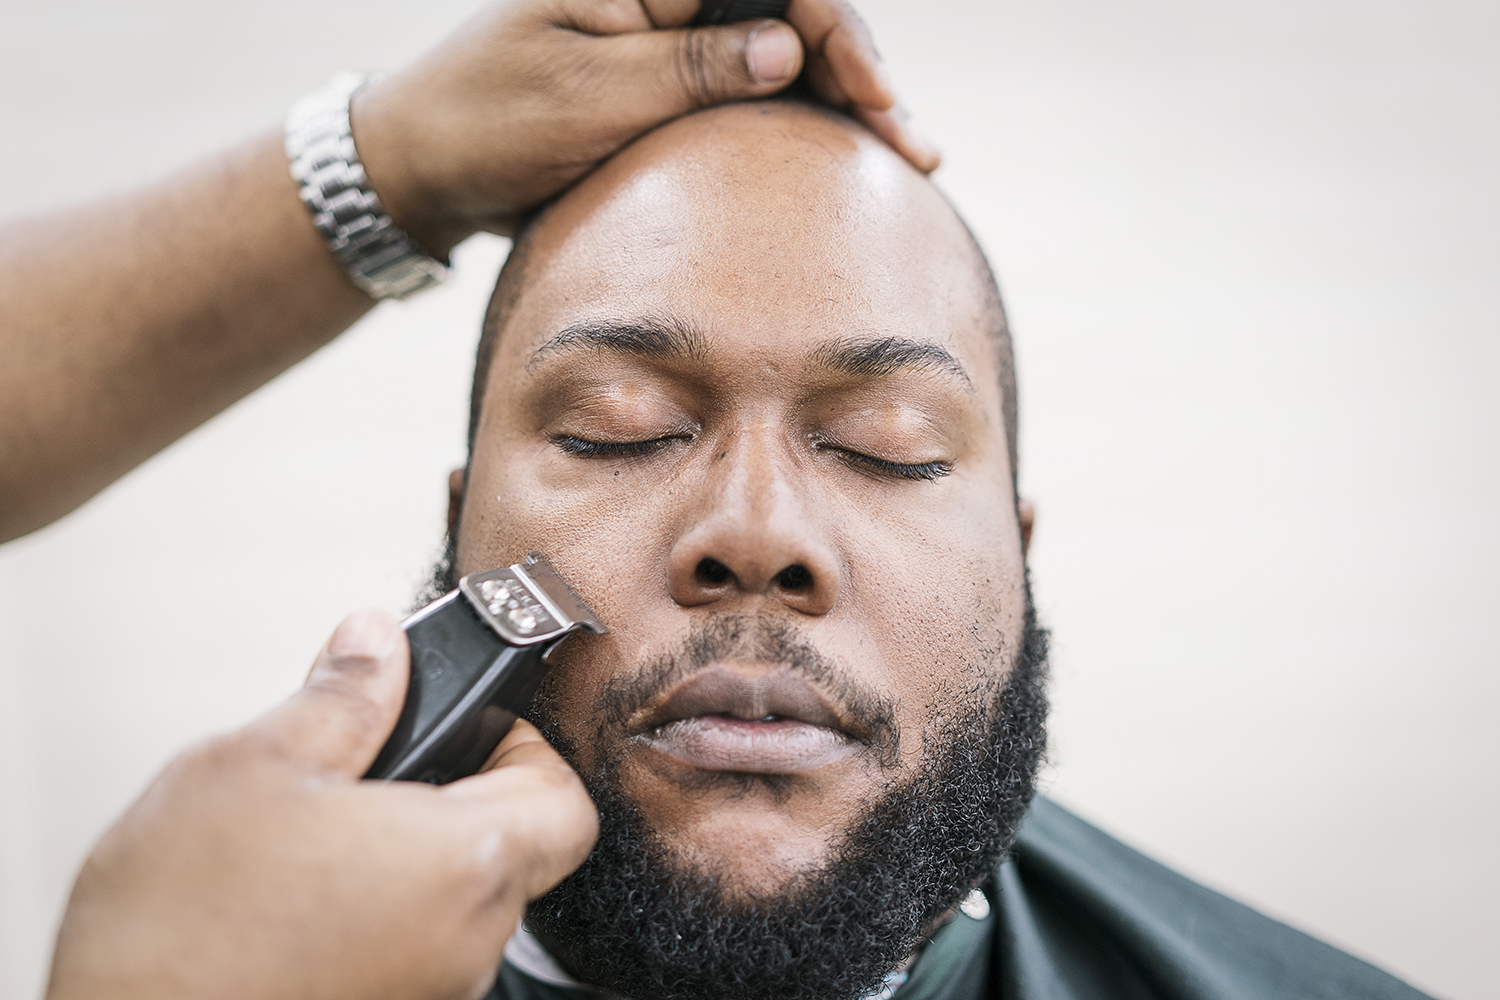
[(379, 255)]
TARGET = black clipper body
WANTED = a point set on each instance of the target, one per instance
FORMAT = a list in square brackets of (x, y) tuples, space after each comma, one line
[(478, 654)]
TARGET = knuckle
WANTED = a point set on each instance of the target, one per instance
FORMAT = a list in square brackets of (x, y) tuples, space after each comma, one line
[(362, 711), (691, 66), (353, 704), (584, 72)]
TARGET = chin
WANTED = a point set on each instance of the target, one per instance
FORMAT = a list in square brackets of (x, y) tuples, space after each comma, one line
[(754, 848), (756, 832)]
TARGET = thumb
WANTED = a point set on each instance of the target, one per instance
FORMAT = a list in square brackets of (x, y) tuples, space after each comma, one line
[(345, 711), (663, 74), (538, 802)]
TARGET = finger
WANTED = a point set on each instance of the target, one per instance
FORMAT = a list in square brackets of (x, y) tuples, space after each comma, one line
[(536, 801), (659, 75), (845, 71), (860, 72), (346, 709), (520, 734), (832, 31), (602, 17), (825, 85), (671, 13), (901, 134)]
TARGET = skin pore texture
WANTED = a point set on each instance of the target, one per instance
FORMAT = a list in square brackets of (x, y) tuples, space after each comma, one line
[(748, 387)]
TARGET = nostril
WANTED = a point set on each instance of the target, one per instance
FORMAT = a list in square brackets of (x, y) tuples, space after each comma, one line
[(711, 571), (795, 577)]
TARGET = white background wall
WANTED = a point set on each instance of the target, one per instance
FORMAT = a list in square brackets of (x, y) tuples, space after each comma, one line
[(1250, 253)]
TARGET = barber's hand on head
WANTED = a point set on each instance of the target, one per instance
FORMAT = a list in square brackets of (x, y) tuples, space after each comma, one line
[(531, 94), (259, 865)]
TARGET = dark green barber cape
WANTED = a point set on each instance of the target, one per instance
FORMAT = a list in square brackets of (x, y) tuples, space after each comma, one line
[(1076, 915)]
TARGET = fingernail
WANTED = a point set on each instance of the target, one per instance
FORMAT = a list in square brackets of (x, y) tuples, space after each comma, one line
[(919, 139), (924, 142), (884, 79), (771, 53), (364, 633)]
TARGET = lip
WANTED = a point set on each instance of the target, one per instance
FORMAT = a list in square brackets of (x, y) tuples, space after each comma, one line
[(726, 719), (724, 743)]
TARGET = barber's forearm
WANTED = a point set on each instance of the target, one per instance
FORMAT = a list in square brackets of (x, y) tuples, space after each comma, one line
[(125, 324), (130, 321)]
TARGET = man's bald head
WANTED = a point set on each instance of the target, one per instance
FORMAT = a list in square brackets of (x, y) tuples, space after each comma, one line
[(744, 153)]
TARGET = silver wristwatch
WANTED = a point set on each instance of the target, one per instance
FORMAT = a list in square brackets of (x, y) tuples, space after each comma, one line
[(379, 255)]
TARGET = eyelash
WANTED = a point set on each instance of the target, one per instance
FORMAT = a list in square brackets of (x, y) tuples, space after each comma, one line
[(584, 448), (919, 472)]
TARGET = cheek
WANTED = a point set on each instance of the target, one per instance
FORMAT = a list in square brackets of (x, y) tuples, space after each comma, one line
[(941, 604), (568, 696), (519, 501)]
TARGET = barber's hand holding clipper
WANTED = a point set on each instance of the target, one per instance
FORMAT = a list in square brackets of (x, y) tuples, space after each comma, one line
[(258, 865)]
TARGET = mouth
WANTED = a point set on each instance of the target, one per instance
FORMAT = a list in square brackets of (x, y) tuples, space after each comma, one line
[(725, 718)]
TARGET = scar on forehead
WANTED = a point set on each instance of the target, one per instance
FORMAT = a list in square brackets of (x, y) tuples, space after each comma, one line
[(672, 339)]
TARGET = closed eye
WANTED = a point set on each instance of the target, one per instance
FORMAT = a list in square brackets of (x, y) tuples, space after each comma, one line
[(584, 448), (880, 467)]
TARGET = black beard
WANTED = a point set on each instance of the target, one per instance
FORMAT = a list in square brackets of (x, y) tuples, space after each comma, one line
[(636, 921)]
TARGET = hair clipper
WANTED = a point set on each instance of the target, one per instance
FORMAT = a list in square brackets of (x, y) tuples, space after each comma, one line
[(478, 654)]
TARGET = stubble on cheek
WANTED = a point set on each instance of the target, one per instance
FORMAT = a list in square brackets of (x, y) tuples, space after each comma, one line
[(948, 637)]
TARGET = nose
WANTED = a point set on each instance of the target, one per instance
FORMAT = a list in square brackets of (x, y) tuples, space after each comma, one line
[(753, 533)]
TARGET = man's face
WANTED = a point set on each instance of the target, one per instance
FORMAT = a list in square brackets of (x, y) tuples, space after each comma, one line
[(747, 402)]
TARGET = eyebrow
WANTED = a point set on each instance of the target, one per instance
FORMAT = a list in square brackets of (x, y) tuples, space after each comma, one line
[(673, 340), (656, 339), (876, 356)]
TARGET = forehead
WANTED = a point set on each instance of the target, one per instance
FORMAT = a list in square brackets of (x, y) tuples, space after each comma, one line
[(768, 229)]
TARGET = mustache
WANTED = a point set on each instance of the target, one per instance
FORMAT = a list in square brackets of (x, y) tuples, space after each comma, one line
[(870, 716)]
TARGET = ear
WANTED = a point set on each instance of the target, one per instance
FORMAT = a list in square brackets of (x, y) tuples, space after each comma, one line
[(456, 499), (1027, 510)]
